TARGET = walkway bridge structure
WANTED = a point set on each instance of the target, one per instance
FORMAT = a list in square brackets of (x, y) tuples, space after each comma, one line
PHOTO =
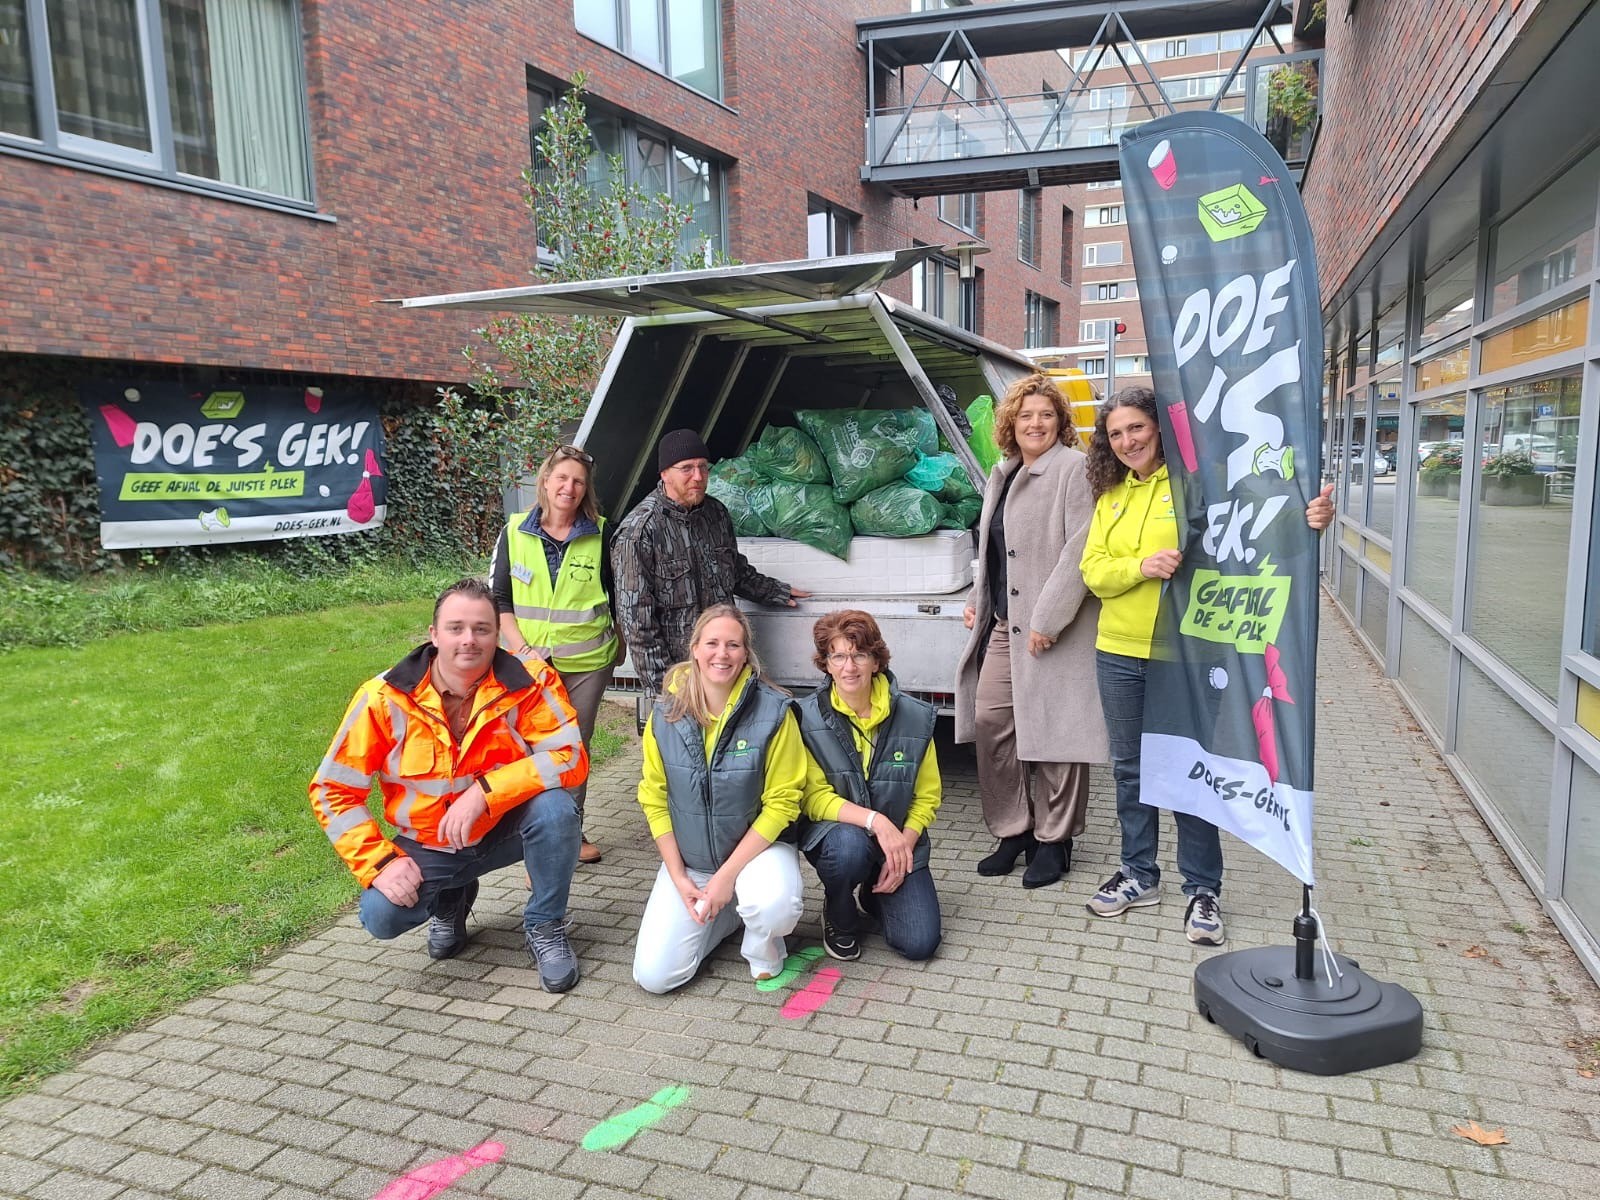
[(950, 129)]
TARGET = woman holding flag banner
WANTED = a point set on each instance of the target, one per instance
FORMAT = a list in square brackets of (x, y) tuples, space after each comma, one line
[(1131, 551)]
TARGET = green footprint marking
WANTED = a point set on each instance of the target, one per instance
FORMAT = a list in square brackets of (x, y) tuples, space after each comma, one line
[(792, 966), (618, 1130)]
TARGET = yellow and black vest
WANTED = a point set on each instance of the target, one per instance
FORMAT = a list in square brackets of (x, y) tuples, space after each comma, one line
[(570, 618)]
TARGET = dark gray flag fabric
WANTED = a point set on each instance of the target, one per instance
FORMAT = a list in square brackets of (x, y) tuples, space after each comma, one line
[(1228, 288)]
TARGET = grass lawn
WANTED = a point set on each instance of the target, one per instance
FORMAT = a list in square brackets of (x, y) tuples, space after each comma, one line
[(158, 841)]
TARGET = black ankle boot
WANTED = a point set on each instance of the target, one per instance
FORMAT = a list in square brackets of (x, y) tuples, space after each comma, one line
[(1048, 865), (1005, 854)]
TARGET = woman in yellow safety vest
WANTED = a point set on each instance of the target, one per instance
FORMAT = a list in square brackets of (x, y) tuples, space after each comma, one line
[(551, 578)]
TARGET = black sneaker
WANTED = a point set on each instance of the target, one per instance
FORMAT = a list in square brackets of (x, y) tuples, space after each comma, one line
[(447, 931), (844, 946)]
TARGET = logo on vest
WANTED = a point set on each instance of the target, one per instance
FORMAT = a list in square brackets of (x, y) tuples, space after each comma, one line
[(899, 756)]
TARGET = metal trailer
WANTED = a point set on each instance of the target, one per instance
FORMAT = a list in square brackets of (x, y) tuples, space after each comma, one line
[(726, 350)]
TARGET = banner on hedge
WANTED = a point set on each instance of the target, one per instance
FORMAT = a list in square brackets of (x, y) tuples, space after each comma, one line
[(1228, 288), (180, 467)]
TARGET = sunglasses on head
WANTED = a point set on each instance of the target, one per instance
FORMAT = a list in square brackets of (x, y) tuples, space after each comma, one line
[(582, 456)]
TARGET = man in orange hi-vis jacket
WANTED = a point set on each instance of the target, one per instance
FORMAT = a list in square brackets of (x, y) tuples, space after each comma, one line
[(475, 753)]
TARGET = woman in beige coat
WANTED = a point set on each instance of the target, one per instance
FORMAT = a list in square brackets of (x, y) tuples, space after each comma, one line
[(1025, 689)]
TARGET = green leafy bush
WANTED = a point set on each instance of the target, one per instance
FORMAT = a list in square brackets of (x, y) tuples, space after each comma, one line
[(1508, 465)]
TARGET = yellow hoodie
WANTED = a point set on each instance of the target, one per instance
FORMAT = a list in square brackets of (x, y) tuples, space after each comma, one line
[(1131, 522)]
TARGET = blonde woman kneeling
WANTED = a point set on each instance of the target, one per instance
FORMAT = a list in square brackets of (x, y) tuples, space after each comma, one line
[(724, 770)]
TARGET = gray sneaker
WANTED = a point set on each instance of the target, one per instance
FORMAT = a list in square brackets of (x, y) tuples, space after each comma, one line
[(1120, 893), (553, 955)]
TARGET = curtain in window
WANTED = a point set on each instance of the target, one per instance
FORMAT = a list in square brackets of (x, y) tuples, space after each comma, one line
[(256, 94), (16, 72), (95, 53)]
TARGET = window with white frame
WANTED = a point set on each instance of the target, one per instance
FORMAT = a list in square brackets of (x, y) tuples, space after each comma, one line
[(1092, 366), (1133, 364), (1108, 97), (1104, 214), (1030, 219), (656, 161), (1096, 185), (830, 230), (1115, 289), (1102, 254), (1042, 320), (1094, 331), (679, 38), (207, 91)]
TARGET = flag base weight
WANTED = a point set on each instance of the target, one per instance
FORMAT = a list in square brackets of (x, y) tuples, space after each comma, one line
[(1301, 1023)]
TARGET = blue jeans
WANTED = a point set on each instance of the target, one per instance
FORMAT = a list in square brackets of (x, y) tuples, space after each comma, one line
[(543, 833), (1121, 681), (847, 858)]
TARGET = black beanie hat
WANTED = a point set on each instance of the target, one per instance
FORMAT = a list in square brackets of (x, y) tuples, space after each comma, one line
[(679, 445)]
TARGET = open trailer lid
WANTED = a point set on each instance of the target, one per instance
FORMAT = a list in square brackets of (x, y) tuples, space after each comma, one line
[(724, 290)]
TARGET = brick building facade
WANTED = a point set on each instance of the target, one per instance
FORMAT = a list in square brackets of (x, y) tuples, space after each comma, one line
[(418, 126)]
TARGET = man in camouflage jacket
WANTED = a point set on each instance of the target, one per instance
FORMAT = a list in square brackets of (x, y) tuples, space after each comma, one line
[(674, 556)]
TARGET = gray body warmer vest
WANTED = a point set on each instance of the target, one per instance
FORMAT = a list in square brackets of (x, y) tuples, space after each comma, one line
[(713, 803), (890, 781)]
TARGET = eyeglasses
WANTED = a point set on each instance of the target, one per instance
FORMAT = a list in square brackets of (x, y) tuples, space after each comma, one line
[(582, 456), (698, 467), (857, 659)]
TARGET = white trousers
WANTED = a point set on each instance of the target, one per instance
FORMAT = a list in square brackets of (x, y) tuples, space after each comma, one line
[(766, 898)]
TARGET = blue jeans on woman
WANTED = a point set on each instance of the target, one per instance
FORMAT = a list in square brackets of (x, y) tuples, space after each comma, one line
[(1121, 679), (846, 859)]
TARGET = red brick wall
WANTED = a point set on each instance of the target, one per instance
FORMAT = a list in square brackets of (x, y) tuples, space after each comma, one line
[(419, 131), (1396, 78)]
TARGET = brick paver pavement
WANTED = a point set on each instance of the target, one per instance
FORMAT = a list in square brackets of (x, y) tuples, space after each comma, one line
[(1043, 1053)]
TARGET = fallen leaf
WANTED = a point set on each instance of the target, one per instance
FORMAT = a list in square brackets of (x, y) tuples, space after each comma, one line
[(1441, 943), (1585, 1074), (1477, 1133), (1474, 952), (1383, 804)]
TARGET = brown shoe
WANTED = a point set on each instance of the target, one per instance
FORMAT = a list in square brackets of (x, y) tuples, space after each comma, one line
[(588, 852)]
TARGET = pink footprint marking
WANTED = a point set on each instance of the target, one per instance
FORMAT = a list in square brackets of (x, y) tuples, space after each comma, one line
[(813, 996), (428, 1180)]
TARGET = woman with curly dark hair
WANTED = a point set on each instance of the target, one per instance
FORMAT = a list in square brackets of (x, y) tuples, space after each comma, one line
[(872, 790), (1131, 550), (1024, 689)]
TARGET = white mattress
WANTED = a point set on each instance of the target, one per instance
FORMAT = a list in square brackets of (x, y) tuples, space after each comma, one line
[(877, 566)]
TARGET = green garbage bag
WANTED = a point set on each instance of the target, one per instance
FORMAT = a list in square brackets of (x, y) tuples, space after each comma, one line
[(957, 488), (805, 512), (943, 476), (732, 482), (786, 453), (962, 514), (865, 449), (919, 423), (981, 413), (896, 510), (933, 471)]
